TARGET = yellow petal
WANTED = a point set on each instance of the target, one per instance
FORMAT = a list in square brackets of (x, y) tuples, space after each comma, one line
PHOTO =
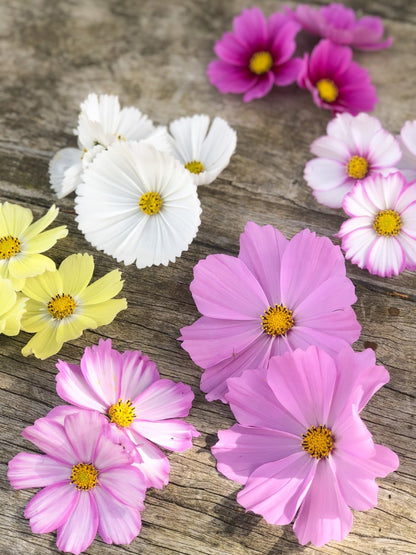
[(42, 223), (71, 328), (35, 316), (30, 265), (13, 318), (104, 313), (103, 289), (7, 295), (43, 287), (76, 271), (14, 219), (45, 240), (43, 344)]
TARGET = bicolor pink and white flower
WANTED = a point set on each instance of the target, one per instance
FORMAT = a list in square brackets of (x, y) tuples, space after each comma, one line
[(380, 234), (354, 148), (256, 55), (339, 24), (278, 295), (300, 448), (335, 81), (141, 408), (407, 141), (89, 483)]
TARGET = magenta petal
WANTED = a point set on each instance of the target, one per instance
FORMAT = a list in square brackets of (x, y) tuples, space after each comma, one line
[(137, 374), (51, 507), (232, 51), (79, 530), (30, 470), (240, 450), (261, 88), (282, 33), (333, 294), (164, 399), (119, 523), (125, 483), (175, 435), (329, 60), (51, 438), (323, 515), (276, 489), (230, 79), (250, 28), (72, 387), (287, 73)]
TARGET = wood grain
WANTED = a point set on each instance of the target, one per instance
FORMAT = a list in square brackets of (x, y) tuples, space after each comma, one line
[(153, 54)]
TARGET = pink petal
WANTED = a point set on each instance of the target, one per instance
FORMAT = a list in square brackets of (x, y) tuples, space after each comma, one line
[(72, 387), (223, 287), (51, 438), (232, 51), (108, 452), (323, 174), (357, 245), (175, 435), (154, 466), (119, 523), (276, 489), (386, 257), (137, 374), (287, 73), (333, 294), (323, 515), (262, 87), (59, 413), (240, 450), (230, 79), (79, 530), (51, 507), (164, 399), (350, 432), (30, 470), (125, 483), (83, 430), (250, 28)]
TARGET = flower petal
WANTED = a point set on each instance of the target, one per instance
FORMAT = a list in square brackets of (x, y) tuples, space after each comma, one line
[(76, 271), (30, 470), (72, 387), (83, 430), (51, 438), (125, 483), (386, 257), (172, 434), (79, 530), (51, 507), (164, 399)]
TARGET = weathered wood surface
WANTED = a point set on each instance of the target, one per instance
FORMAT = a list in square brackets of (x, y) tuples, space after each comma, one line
[(153, 54)]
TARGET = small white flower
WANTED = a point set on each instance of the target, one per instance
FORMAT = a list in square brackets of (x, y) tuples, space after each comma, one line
[(138, 204), (407, 141), (203, 153)]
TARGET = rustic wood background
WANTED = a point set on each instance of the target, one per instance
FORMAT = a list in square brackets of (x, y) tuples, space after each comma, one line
[(153, 54)]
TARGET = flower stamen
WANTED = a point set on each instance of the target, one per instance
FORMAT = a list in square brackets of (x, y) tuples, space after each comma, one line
[(327, 90), (357, 167), (150, 203), (61, 306), (122, 413), (194, 166), (260, 62), (387, 223), (9, 246), (318, 441), (277, 320), (84, 476)]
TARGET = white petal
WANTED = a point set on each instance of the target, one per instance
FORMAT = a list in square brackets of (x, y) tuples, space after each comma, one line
[(133, 125), (386, 257), (407, 163), (357, 203), (340, 128), (357, 244), (383, 191), (383, 151), (188, 135), (408, 136), (332, 148), (218, 147), (65, 170), (409, 245), (102, 108), (323, 174), (363, 129), (333, 197)]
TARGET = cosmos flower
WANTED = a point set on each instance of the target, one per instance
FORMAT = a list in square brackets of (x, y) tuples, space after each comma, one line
[(12, 306), (335, 81), (339, 24), (89, 483), (256, 55), (354, 148), (278, 295), (138, 204), (22, 241), (380, 234), (300, 448), (407, 141), (203, 153), (62, 304), (142, 409)]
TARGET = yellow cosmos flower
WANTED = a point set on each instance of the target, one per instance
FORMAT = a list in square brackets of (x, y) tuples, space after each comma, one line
[(21, 243), (62, 305), (12, 306)]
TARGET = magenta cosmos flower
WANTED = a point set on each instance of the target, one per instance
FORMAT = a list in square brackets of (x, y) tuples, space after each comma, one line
[(88, 482), (256, 55), (354, 148), (380, 234), (141, 408), (338, 23), (278, 295), (335, 81), (300, 448)]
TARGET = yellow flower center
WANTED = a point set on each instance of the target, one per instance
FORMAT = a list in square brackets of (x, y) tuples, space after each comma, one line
[(327, 90), (9, 246), (318, 441), (194, 166), (277, 320), (122, 413), (388, 223), (150, 203), (357, 167), (260, 62), (84, 476), (61, 306)]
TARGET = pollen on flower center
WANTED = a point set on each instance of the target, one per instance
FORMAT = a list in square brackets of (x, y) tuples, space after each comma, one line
[(122, 413), (84, 476), (194, 166), (357, 167), (61, 306), (260, 62), (150, 203), (327, 90), (318, 441), (9, 246), (277, 320), (387, 223)]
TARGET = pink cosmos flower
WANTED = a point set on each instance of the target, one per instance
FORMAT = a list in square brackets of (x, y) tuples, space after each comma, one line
[(338, 23), (354, 148), (407, 140), (256, 55), (141, 408), (88, 482), (335, 81), (278, 295), (300, 448), (380, 234)]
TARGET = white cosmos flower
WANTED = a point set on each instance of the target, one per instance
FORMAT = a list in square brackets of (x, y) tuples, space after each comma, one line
[(100, 123), (407, 141), (203, 153), (138, 204)]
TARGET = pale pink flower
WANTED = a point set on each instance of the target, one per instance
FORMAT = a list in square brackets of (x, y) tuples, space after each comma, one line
[(278, 295), (407, 141), (89, 483), (300, 447), (141, 408), (354, 148), (380, 234)]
